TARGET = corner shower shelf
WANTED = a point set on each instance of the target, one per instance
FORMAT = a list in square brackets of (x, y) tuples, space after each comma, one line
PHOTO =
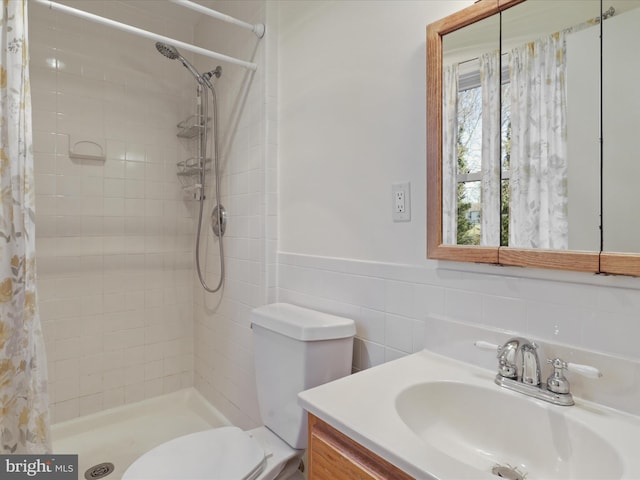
[(191, 166), (190, 173), (192, 162), (190, 127), (189, 170)]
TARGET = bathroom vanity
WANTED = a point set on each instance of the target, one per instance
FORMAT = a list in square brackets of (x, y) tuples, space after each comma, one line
[(427, 416), (334, 456)]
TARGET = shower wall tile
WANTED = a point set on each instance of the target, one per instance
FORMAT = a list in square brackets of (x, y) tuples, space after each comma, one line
[(224, 370), (113, 238)]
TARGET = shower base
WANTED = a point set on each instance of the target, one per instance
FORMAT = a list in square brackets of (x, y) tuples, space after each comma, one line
[(120, 435)]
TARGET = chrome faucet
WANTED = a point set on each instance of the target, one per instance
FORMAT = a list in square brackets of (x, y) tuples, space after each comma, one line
[(519, 370), (519, 351)]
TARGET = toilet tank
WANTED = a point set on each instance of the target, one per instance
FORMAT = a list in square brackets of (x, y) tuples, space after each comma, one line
[(296, 349)]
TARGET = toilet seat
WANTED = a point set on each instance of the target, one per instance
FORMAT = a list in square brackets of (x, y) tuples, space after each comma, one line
[(218, 454)]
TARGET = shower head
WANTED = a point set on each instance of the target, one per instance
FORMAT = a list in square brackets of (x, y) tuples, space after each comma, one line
[(172, 53), (168, 51)]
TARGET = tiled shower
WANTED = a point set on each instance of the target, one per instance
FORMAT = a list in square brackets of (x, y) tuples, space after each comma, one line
[(114, 237)]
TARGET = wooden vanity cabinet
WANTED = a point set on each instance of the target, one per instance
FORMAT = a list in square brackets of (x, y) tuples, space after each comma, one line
[(334, 456)]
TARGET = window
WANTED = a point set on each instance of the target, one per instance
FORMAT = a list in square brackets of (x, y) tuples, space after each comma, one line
[(469, 156)]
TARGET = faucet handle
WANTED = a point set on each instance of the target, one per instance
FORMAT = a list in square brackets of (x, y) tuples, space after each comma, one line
[(505, 355), (584, 370), (558, 383), (486, 345)]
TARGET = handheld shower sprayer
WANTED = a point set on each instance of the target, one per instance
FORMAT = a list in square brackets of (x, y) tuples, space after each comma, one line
[(172, 53), (218, 214)]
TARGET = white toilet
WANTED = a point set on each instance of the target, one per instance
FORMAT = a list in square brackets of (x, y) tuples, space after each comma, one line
[(295, 349)]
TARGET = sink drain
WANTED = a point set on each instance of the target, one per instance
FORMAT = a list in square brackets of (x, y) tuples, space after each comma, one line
[(99, 471), (508, 472)]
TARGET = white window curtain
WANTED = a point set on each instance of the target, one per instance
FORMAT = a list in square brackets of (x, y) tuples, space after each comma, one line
[(449, 154), (24, 419), (490, 185), (538, 206)]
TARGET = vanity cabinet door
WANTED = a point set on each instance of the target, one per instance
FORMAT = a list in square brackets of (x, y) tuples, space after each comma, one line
[(334, 456)]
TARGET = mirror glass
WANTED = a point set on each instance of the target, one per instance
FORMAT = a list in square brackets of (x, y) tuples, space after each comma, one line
[(621, 122), (468, 116), (552, 52), (524, 142)]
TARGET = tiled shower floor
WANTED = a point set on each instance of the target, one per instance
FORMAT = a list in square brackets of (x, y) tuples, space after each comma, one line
[(122, 434)]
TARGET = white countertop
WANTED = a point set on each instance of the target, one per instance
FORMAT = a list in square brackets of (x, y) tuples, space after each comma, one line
[(363, 407)]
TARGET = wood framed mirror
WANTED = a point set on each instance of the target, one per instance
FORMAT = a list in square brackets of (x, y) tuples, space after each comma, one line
[(584, 251)]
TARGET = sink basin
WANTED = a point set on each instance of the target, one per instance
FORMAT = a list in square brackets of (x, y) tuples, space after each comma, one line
[(441, 419), (505, 433)]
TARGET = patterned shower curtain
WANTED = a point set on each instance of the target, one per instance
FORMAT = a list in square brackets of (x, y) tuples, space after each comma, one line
[(450, 154), (539, 199), (490, 81), (24, 416)]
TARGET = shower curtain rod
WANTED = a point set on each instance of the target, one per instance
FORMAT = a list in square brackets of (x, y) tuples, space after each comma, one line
[(258, 28), (144, 33)]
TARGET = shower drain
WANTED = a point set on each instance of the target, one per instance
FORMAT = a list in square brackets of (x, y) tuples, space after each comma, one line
[(99, 471)]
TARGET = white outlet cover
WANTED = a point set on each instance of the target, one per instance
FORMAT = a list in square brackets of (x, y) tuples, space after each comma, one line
[(405, 188)]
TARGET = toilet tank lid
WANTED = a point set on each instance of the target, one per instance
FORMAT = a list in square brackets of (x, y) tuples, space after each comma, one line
[(302, 323)]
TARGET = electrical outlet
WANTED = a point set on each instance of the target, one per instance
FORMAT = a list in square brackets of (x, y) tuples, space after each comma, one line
[(401, 197), (399, 204)]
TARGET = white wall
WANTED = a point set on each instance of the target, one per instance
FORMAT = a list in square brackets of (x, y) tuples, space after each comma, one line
[(352, 122), (114, 238)]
